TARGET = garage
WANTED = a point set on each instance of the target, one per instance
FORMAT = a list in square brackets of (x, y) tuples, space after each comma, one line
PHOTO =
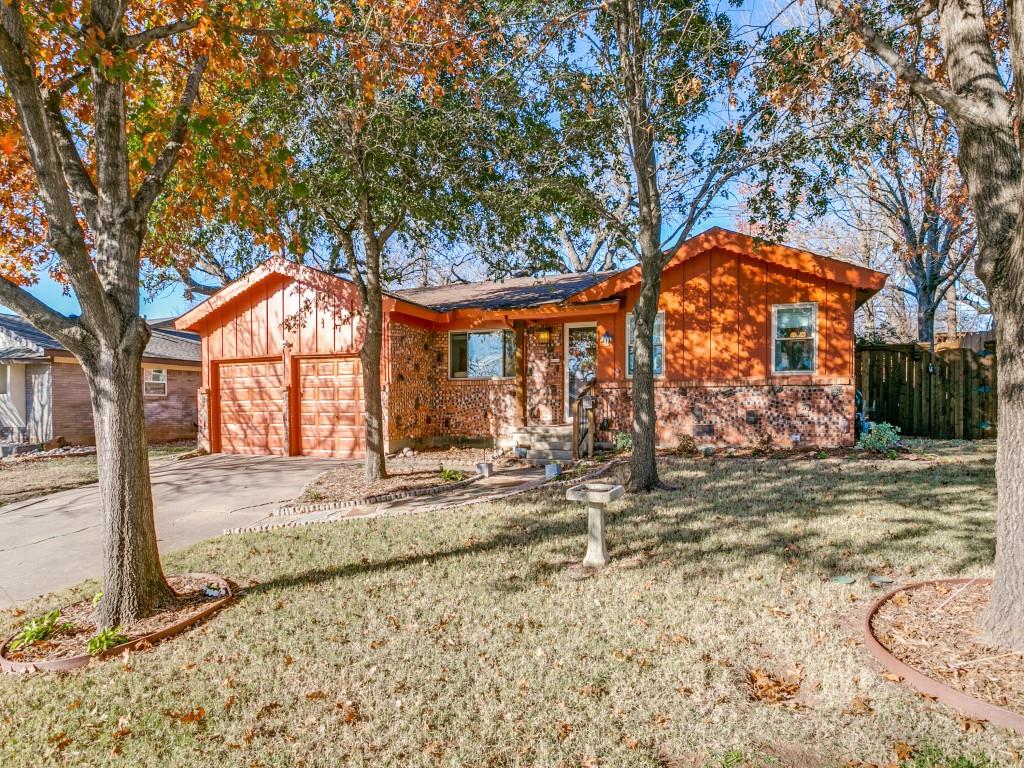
[(252, 414), (330, 408)]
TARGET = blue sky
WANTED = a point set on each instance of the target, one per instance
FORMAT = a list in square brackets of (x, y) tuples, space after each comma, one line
[(170, 302)]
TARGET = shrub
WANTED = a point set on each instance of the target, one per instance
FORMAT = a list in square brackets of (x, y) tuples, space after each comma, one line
[(38, 629), (623, 442), (451, 475), (763, 444), (105, 639), (883, 438), (687, 445)]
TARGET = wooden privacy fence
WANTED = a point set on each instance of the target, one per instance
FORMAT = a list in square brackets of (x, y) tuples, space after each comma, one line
[(949, 394)]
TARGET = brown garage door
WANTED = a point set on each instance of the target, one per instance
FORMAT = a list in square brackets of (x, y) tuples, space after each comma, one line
[(331, 408), (252, 417)]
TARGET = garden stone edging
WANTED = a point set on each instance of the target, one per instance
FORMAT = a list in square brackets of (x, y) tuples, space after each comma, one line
[(501, 494), (951, 697), (291, 510), (77, 662)]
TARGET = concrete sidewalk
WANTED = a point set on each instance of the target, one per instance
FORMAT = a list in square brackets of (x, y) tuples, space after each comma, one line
[(52, 542)]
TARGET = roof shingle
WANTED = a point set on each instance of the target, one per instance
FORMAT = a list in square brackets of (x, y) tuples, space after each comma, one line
[(164, 344), (513, 293)]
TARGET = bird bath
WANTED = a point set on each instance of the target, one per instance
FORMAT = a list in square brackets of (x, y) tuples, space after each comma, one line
[(596, 496)]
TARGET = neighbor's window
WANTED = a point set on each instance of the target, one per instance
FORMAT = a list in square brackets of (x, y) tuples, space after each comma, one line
[(482, 355), (4, 372), (659, 344), (795, 335), (155, 381)]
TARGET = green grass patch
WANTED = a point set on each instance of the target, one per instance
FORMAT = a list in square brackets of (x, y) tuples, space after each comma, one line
[(471, 637)]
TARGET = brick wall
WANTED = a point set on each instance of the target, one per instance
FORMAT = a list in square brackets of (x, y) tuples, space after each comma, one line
[(424, 407), (172, 417), (821, 415)]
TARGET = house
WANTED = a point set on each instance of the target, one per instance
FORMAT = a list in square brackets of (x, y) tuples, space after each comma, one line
[(44, 393), (753, 341)]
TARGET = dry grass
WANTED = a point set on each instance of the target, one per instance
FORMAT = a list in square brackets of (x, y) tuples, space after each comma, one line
[(28, 478), (470, 637)]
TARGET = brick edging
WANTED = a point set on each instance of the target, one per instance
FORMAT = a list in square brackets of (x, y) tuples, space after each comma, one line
[(291, 510), (501, 494)]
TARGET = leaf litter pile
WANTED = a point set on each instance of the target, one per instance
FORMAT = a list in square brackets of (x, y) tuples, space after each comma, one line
[(76, 623), (935, 629)]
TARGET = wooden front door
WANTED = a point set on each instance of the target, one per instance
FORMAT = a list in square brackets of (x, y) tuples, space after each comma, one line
[(580, 361)]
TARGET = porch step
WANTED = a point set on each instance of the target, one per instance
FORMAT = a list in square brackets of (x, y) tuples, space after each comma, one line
[(550, 445), (548, 455)]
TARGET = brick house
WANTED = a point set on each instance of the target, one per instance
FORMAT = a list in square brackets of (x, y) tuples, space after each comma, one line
[(752, 340), (44, 393)]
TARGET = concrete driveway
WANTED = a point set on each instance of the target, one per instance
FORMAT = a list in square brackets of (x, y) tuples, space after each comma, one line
[(52, 542)]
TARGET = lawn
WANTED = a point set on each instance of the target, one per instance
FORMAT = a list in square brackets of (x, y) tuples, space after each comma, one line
[(471, 637), (27, 478)]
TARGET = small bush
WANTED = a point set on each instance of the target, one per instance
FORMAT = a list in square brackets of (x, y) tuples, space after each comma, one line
[(623, 442), (883, 438), (106, 639), (687, 445), (763, 444), (452, 475), (38, 629)]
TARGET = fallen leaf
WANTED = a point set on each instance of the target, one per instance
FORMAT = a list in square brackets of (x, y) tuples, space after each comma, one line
[(315, 695), (969, 724), (903, 751), (192, 716), (768, 688), (861, 705), (892, 677), (563, 729)]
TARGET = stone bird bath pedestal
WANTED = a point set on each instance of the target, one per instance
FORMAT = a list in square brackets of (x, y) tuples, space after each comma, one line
[(596, 496)]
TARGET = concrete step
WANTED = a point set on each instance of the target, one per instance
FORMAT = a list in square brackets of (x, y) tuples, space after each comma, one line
[(549, 445), (548, 455), (544, 429)]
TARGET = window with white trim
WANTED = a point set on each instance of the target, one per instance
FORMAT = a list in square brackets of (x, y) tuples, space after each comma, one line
[(659, 344), (795, 338), (154, 382), (482, 355)]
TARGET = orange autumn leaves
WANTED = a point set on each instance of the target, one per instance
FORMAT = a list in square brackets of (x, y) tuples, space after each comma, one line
[(224, 163)]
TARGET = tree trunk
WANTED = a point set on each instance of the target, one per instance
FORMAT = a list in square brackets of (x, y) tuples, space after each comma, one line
[(925, 319), (133, 581), (370, 357), (644, 465), (1004, 619)]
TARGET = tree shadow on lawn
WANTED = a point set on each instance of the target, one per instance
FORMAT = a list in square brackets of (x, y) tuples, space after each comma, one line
[(803, 515)]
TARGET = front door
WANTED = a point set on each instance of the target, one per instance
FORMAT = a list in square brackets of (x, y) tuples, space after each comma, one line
[(580, 361)]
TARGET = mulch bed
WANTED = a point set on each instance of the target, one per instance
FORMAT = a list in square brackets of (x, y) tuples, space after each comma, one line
[(935, 630), (73, 641), (348, 484)]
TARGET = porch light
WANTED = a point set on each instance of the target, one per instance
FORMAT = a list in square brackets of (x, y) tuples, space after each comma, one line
[(543, 335), (606, 339)]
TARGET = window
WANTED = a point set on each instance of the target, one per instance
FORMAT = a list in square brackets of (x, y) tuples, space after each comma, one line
[(482, 355), (659, 344), (154, 382), (4, 373), (795, 338)]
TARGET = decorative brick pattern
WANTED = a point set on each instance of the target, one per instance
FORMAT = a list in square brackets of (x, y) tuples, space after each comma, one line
[(424, 407), (819, 415)]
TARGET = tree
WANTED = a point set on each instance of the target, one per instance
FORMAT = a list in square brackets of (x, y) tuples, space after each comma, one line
[(678, 102), (967, 58), (910, 176), (115, 128)]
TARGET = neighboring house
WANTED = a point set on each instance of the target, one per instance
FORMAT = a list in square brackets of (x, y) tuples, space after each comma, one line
[(44, 393), (753, 341)]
